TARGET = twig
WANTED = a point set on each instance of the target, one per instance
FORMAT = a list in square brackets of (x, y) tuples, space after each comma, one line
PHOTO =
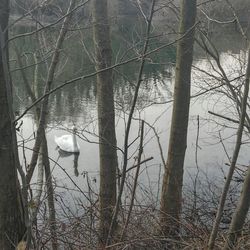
[(228, 118), (135, 166), (135, 181)]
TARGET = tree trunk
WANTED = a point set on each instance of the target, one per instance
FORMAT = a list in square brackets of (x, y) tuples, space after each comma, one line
[(241, 211), (50, 194), (171, 199), (106, 117), (11, 216)]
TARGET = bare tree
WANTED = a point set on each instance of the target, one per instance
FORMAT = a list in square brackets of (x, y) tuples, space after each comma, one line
[(171, 199), (41, 119), (12, 227), (106, 117), (130, 118), (240, 214), (232, 166)]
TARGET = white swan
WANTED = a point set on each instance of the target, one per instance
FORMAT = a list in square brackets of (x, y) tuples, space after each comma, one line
[(68, 143)]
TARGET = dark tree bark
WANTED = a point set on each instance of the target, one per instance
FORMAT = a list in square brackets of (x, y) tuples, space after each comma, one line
[(171, 199), (11, 214), (106, 117)]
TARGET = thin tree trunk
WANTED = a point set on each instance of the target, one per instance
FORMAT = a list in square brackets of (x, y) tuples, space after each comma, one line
[(39, 186), (34, 94), (50, 194), (219, 213), (106, 117), (135, 182), (171, 199), (41, 137), (43, 163), (41, 141), (129, 122), (49, 81), (244, 202), (12, 226)]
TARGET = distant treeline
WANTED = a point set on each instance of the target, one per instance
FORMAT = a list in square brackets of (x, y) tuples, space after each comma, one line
[(222, 9), (57, 7), (219, 9)]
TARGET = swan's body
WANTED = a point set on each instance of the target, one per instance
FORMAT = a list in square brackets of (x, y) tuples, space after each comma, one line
[(68, 143)]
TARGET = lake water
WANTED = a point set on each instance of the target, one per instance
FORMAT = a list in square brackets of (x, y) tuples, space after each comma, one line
[(76, 105)]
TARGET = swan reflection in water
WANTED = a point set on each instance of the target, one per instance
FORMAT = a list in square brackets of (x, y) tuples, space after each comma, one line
[(63, 154)]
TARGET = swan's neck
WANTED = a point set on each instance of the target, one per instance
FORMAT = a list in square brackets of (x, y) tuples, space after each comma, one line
[(74, 142)]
